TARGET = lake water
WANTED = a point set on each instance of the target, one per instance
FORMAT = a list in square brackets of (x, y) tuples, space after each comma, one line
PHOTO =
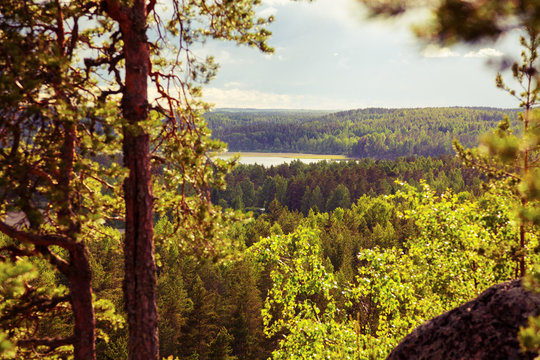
[(269, 159)]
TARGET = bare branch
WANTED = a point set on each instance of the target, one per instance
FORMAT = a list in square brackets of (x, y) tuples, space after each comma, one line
[(74, 36), (150, 6), (101, 181)]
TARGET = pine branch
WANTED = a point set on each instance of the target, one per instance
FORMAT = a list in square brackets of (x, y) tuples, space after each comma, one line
[(15, 252), (38, 240), (51, 343), (40, 304), (62, 265)]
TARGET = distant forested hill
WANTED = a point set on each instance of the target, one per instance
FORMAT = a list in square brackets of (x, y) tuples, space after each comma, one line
[(374, 133)]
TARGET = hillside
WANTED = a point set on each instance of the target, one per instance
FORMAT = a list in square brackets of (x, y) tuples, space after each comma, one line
[(374, 133)]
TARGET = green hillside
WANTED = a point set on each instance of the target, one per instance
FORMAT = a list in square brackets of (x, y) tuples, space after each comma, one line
[(375, 133)]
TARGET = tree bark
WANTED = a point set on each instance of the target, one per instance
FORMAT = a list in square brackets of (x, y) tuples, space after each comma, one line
[(80, 281), (78, 271), (140, 268)]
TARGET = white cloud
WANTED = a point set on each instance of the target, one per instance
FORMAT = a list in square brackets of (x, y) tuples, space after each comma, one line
[(225, 57), (434, 51), (235, 97), (240, 98), (345, 12), (484, 53), (267, 12)]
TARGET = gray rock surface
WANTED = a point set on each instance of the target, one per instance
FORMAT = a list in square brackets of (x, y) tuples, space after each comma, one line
[(484, 328)]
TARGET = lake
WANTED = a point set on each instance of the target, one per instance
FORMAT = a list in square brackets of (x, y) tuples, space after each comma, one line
[(269, 159)]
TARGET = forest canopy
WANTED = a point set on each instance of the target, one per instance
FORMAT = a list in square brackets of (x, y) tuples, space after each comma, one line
[(374, 133), (121, 254)]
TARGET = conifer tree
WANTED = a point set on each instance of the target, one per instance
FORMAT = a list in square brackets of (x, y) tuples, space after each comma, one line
[(49, 176), (60, 113), (515, 157), (201, 326)]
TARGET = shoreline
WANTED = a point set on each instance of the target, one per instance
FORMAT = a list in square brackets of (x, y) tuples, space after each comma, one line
[(282, 155)]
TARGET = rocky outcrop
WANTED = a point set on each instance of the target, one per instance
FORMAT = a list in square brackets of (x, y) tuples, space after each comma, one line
[(484, 328)]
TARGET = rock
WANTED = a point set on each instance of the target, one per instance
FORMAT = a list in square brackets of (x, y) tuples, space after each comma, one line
[(484, 328)]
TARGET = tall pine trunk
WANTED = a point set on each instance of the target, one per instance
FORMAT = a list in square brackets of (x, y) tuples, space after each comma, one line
[(140, 269)]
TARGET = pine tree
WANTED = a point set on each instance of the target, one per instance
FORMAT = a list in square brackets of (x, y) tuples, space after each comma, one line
[(173, 302), (220, 348), (244, 319), (515, 158), (60, 114), (201, 326)]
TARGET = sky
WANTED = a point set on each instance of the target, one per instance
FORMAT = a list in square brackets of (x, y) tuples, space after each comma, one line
[(329, 56)]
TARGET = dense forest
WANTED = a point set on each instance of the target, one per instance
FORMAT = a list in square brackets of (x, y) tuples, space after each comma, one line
[(344, 225), (132, 241), (328, 185), (217, 310), (374, 133)]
